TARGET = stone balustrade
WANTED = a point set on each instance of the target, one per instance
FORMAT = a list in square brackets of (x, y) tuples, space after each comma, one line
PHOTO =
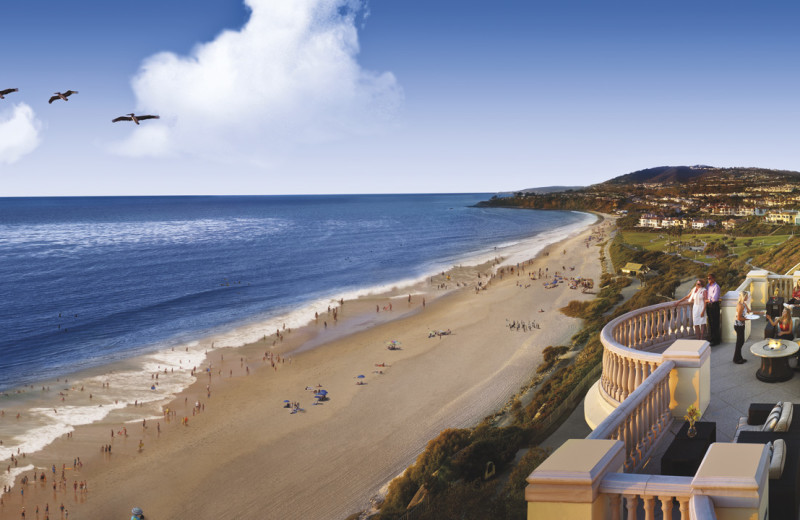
[(641, 418), (628, 340), (650, 328), (582, 480), (782, 285), (626, 491)]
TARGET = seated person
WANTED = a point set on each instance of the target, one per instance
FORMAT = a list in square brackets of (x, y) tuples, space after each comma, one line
[(782, 326), (795, 299)]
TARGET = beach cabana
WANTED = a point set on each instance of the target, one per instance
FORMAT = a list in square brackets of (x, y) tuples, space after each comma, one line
[(632, 269)]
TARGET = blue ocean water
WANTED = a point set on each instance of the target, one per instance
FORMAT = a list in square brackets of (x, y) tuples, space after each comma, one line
[(87, 281)]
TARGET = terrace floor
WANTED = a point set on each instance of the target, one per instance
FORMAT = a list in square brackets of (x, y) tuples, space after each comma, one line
[(733, 388)]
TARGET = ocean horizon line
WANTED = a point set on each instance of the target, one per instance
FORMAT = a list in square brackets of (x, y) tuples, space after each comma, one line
[(241, 195)]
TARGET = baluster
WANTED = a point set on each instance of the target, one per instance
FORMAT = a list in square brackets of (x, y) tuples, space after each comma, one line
[(665, 400), (684, 507), (628, 333), (631, 501), (666, 506), (662, 394), (636, 417), (649, 505), (676, 322), (642, 337), (631, 376), (624, 379), (614, 504), (615, 375), (637, 374), (651, 417)]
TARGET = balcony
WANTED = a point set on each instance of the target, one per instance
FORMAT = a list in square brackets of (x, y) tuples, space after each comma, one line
[(653, 369)]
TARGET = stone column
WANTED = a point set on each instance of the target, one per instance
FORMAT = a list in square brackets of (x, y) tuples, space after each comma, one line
[(565, 486), (759, 289), (690, 380), (736, 478)]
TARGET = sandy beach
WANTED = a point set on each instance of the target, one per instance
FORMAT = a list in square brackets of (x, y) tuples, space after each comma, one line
[(241, 454)]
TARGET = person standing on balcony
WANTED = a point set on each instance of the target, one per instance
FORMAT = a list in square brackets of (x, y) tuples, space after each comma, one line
[(712, 310), (738, 326), (698, 298)]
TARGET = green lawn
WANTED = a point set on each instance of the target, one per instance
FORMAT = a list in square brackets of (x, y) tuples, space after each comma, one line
[(655, 241)]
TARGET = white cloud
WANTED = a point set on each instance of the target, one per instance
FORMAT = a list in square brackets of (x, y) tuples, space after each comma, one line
[(289, 76), (19, 133)]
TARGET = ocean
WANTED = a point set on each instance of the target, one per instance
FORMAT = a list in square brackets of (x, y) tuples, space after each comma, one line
[(114, 288)]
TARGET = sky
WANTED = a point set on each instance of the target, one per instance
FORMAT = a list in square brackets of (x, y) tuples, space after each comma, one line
[(389, 96)]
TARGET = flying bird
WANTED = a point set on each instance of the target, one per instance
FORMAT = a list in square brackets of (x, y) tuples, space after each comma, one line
[(63, 95), (7, 91), (134, 118)]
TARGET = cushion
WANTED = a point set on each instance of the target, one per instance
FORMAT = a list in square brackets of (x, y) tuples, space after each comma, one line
[(786, 418), (772, 418), (778, 458)]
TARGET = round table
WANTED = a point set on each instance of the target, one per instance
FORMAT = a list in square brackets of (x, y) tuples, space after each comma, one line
[(774, 354)]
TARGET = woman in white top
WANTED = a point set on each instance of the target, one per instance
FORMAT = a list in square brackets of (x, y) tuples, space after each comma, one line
[(698, 298)]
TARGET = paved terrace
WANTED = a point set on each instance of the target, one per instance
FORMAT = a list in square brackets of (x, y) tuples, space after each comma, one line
[(733, 388)]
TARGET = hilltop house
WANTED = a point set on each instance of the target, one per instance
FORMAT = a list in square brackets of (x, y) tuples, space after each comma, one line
[(788, 216)]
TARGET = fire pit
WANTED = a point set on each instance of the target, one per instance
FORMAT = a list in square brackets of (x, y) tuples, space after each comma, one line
[(774, 354)]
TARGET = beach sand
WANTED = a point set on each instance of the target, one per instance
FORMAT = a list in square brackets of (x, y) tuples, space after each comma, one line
[(243, 455)]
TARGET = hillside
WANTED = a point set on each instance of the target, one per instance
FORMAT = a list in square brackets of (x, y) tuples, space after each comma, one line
[(685, 174)]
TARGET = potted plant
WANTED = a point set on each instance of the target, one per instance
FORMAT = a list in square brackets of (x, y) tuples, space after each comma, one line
[(692, 416)]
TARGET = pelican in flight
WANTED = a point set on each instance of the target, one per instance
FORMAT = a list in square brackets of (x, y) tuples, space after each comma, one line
[(134, 118), (7, 91), (63, 95)]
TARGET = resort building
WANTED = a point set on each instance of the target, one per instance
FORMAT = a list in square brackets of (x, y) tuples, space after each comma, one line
[(781, 217), (649, 220), (640, 461), (700, 224), (729, 224)]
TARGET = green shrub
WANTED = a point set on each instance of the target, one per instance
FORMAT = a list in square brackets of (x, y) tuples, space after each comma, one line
[(513, 494), (401, 491)]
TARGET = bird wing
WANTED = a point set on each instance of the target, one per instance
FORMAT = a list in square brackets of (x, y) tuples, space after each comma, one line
[(70, 92), (53, 99), (122, 118), (8, 91), (140, 118)]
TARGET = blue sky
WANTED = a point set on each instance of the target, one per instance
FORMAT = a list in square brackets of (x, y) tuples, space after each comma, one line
[(341, 96)]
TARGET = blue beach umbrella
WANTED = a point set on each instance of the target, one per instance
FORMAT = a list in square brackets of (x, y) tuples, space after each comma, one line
[(361, 376), (323, 392), (286, 401)]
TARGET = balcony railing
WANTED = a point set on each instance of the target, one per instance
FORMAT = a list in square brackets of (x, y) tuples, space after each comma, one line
[(641, 419), (628, 343)]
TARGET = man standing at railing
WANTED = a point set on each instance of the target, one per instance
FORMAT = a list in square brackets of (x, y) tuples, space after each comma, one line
[(712, 310)]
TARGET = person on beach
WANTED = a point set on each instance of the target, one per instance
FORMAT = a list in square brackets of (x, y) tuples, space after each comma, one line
[(698, 298)]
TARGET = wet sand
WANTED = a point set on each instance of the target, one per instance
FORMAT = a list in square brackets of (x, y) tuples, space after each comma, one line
[(243, 455)]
